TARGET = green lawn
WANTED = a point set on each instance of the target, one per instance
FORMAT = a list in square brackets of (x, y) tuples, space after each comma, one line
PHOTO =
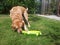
[(50, 32)]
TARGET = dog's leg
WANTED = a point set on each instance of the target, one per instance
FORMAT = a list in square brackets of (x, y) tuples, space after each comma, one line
[(28, 24), (26, 18), (25, 27)]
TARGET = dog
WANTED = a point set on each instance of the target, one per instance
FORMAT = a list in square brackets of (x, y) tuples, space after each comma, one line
[(19, 17)]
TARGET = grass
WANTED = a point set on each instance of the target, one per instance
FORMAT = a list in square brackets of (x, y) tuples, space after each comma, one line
[(50, 32)]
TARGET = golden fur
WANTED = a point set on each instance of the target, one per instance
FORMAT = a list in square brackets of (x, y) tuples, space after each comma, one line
[(16, 14)]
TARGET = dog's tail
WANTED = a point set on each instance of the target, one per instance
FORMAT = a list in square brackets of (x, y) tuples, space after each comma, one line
[(27, 9)]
